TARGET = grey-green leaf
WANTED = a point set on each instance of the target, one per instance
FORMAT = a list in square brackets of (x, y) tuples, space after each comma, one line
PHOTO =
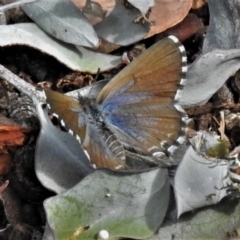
[(224, 28), (124, 204), (200, 182), (60, 162), (63, 20), (207, 74), (48, 234), (210, 223), (120, 26), (75, 58), (143, 6)]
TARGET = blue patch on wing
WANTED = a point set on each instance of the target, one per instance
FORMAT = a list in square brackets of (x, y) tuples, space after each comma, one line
[(122, 97), (121, 122), (117, 109), (118, 102)]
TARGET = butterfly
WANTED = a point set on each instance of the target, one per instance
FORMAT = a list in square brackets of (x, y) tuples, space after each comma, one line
[(135, 116)]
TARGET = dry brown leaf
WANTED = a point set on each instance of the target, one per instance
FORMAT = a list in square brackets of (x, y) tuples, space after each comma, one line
[(198, 3), (102, 7), (221, 128), (79, 3), (5, 163), (11, 137), (106, 47), (186, 28), (107, 5), (237, 170), (167, 13)]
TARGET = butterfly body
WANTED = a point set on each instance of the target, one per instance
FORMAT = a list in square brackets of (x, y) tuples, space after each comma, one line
[(97, 129), (135, 114)]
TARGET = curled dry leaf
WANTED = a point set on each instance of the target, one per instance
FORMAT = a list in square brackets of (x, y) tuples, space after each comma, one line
[(237, 171), (106, 47), (186, 28), (79, 3), (5, 163), (167, 13), (11, 136), (198, 3)]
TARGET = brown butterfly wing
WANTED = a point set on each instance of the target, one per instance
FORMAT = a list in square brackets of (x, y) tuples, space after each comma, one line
[(100, 145), (68, 110), (94, 140), (147, 120), (157, 70)]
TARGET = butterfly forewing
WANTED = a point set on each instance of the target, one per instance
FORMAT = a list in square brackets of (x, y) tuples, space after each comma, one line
[(68, 110), (138, 104), (157, 70)]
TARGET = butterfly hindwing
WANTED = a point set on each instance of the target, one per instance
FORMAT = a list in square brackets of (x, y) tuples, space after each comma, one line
[(102, 147)]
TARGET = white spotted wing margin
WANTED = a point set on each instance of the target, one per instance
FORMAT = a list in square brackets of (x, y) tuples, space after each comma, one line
[(140, 104)]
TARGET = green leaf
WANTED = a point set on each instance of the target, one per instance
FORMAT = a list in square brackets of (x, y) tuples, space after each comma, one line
[(124, 204)]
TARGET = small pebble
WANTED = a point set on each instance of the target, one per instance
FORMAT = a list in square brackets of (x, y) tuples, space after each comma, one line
[(103, 234)]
